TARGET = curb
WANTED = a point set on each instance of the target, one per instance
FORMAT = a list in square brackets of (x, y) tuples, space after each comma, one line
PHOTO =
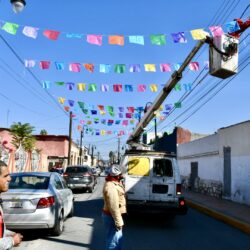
[(245, 227)]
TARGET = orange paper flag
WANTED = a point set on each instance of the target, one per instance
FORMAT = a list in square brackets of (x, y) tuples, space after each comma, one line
[(116, 40)]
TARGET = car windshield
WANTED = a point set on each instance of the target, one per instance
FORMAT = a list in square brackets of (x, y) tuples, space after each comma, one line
[(76, 170), (29, 182)]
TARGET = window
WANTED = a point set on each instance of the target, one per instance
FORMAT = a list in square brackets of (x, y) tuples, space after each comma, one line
[(163, 167), (57, 182), (29, 182)]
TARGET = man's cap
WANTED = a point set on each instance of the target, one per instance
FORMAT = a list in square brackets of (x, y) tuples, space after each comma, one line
[(115, 170)]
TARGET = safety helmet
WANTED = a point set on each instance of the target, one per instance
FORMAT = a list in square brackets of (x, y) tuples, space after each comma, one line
[(115, 170)]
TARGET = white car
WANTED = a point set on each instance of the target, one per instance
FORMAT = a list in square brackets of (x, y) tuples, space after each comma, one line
[(37, 200)]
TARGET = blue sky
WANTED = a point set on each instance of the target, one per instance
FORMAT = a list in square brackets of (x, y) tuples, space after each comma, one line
[(24, 100)]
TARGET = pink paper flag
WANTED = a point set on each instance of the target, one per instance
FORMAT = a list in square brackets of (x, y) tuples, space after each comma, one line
[(165, 67), (94, 39), (75, 67), (194, 66), (141, 88), (117, 87), (51, 34), (216, 30), (44, 64)]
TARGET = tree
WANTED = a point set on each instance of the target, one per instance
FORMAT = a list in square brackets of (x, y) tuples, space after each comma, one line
[(43, 132), (22, 135)]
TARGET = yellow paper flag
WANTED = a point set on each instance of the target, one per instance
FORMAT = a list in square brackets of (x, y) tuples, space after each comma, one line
[(199, 34), (81, 86), (150, 67), (61, 100), (153, 87)]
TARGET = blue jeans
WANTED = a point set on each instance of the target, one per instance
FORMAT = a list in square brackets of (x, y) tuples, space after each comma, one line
[(113, 237)]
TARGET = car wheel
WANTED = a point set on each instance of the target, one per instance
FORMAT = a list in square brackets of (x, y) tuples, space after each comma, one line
[(71, 213), (91, 189), (59, 223)]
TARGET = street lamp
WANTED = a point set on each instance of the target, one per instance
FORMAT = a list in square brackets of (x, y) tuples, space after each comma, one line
[(155, 121), (18, 5)]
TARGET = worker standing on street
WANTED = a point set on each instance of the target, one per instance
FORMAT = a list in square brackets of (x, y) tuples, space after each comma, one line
[(114, 208)]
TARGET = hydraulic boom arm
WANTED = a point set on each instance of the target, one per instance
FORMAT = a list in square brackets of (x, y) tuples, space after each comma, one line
[(175, 77)]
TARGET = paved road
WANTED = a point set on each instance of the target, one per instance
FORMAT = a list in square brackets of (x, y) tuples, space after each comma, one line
[(85, 231)]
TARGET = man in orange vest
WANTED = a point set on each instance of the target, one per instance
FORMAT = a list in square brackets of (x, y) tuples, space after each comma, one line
[(8, 239)]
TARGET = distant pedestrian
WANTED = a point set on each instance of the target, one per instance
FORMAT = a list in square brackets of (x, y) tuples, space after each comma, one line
[(114, 208), (8, 239)]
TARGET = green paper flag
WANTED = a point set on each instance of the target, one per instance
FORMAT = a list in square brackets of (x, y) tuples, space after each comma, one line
[(110, 110), (59, 83), (11, 28), (92, 87), (81, 105), (177, 105), (158, 39), (120, 68)]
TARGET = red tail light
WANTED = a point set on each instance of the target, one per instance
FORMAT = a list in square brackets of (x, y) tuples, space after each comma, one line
[(46, 202), (65, 174), (178, 188), (182, 203), (86, 174)]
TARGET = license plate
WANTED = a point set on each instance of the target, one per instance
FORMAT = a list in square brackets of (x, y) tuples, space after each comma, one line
[(16, 205), (76, 178)]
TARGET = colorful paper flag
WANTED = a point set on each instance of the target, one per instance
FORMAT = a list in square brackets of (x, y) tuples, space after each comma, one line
[(61, 100), (120, 68), (141, 88), (89, 66), (177, 66), (75, 67), (81, 86), (30, 32), (121, 109), (150, 67), (128, 88), (111, 110), (10, 28), (59, 83), (177, 105), (92, 87), (46, 84), (44, 64), (177, 87), (194, 66), (199, 34), (216, 31), (117, 87), (104, 87), (158, 39), (59, 65), (71, 103), (74, 35), (29, 63), (116, 40), (136, 39), (131, 109), (70, 85), (232, 26), (187, 86), (165, 67), (94, 39), (134, 68), (51, 34), (105, 68), (153, 87), (129, 115), (179, 37)]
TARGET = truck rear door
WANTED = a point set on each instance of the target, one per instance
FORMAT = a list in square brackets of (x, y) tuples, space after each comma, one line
[(137, 179), (162, 183)]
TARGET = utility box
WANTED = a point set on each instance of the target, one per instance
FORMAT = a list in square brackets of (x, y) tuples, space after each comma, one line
[(220, 65)]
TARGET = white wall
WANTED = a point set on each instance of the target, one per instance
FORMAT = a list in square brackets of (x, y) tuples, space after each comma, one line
[(238, 138)]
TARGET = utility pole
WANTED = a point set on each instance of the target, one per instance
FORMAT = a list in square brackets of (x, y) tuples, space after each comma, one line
[(80, 153), (92, 155), (118, 154), (70, 137)]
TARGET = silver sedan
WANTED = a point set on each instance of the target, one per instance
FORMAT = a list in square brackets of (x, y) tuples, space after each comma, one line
[(37, 200)]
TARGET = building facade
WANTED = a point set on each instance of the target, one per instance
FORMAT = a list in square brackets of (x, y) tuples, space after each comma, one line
[(218, 164)]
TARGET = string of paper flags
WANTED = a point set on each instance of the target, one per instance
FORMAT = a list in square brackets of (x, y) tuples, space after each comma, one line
[(155, 39), (108, 68), (117, 88)]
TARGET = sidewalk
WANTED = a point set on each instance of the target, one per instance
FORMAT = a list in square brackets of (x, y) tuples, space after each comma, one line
[(232, 213)]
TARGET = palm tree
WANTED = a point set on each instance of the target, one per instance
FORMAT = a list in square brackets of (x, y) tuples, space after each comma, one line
[(22, 135), (43, 132)]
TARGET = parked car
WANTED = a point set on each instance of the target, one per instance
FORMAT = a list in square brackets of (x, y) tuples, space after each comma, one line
[(57, 170), (37, 200), (80, 177)]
